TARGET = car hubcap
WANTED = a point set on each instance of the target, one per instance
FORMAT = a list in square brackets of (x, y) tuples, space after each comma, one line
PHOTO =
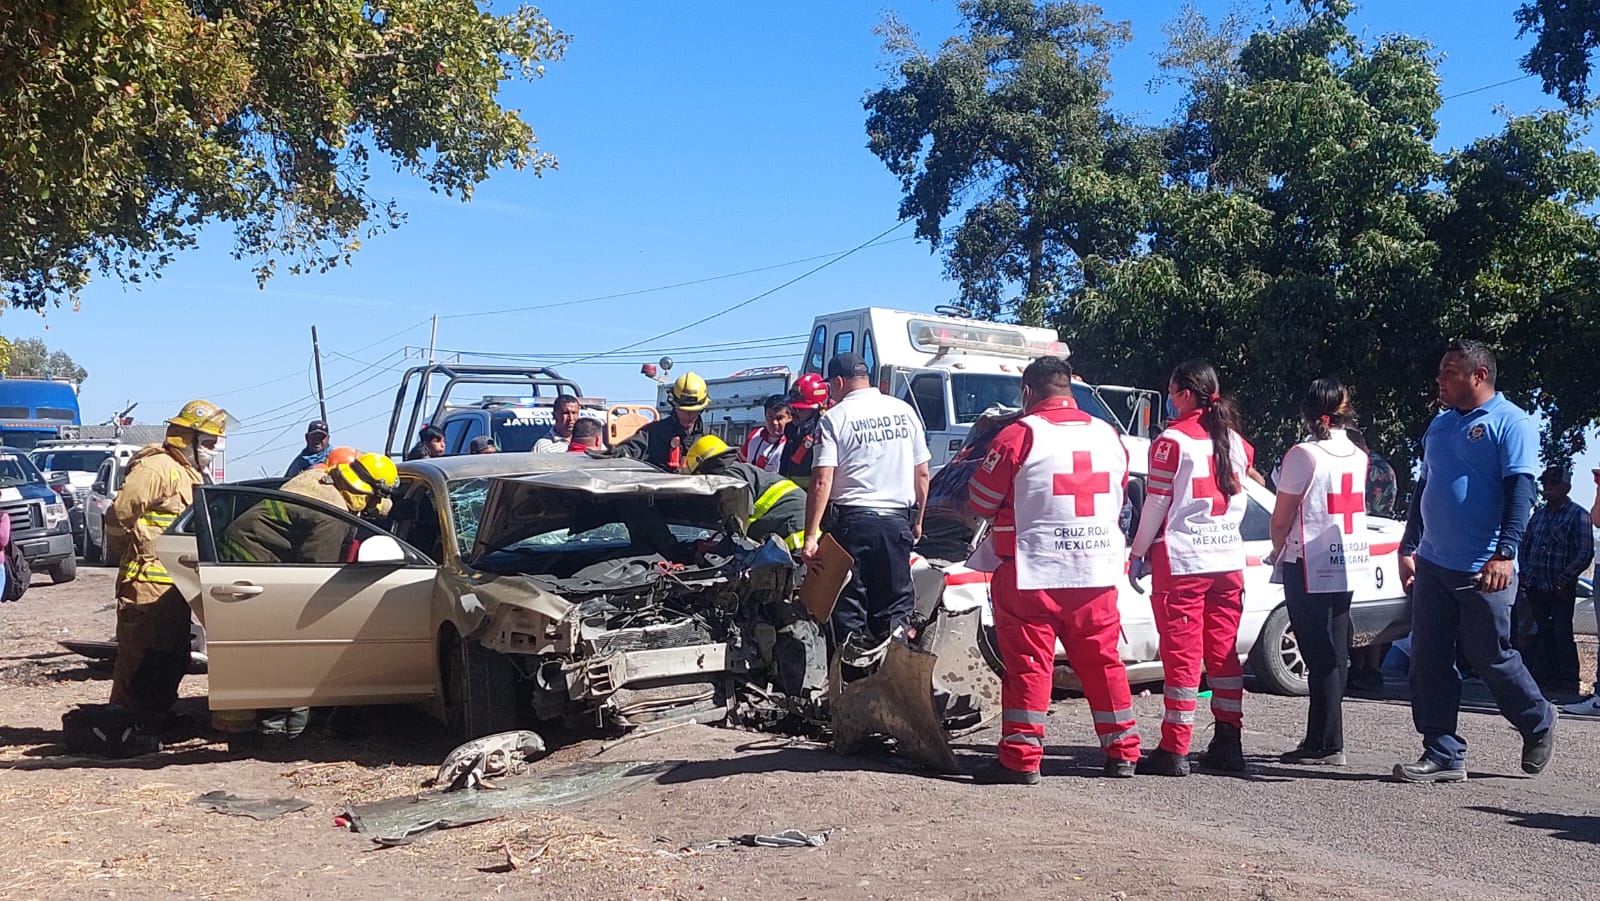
[(1289, 652)]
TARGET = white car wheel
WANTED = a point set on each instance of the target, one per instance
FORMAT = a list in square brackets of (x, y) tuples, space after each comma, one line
[(1275, 660)]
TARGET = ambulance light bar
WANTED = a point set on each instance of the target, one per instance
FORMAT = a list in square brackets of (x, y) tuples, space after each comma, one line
[(939, 337)]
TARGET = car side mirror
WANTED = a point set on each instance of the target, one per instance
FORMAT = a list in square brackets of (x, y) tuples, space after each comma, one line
[(98, 488), (57, 480), (380, 549)]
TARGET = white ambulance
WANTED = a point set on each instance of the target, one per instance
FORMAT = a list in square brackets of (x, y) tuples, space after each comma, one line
[(951, 369)]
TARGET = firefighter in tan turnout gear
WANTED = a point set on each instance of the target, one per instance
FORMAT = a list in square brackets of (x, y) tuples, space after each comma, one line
[(275, 532), (152, 616)]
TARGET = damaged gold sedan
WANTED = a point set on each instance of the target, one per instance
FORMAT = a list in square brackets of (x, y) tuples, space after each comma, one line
[(503, 590)]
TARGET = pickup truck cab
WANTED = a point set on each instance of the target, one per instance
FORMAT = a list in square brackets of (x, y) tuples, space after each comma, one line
[(80, 460), (39, 525)]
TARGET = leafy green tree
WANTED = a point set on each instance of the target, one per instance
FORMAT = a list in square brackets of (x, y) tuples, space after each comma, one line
[(1567, 32), (1293, 239), (30, 358), (129, 125), (1008, 130)]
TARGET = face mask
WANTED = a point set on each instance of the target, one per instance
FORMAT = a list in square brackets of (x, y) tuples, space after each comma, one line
[(1172, 411), (203, 456)]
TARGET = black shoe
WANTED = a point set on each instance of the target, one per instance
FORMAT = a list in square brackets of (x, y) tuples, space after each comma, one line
[(1426, 769), (1314, 756), (996, 773), (1119, 769), (1538, 748), (1226, 751), (1162, 762)]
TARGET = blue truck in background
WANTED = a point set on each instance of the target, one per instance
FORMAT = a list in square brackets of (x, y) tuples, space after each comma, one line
[(31, 411), (34, 410)]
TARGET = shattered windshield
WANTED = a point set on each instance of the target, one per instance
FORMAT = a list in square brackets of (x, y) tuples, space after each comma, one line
[(466, 510)]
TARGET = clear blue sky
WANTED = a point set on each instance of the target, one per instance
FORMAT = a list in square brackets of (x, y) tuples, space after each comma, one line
[(695, 140)]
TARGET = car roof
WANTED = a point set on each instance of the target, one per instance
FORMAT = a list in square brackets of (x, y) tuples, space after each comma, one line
[(486, 466)]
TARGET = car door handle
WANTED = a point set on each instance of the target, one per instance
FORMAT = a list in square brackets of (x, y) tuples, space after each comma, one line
[(188, 561), (238, 591)]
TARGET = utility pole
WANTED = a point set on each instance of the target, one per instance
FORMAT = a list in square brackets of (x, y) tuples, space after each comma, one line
[(316, 356), (427, 375)]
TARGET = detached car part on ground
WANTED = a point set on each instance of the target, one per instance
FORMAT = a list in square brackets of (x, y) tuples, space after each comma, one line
[(569, 589), (1265, 642)]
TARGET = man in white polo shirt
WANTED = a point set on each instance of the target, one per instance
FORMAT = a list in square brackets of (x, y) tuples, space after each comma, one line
[(871, 465)]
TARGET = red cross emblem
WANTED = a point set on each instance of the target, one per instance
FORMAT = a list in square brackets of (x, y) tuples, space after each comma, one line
[(1347, 503), (1083, 483), (1206, 487)]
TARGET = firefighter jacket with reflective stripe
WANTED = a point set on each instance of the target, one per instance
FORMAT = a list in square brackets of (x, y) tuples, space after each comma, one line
[(777, 505), (159, 485), (662, 443), (276, 532), (799, 446)]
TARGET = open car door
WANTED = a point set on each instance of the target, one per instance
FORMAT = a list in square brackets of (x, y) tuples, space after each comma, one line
[(303, 604)]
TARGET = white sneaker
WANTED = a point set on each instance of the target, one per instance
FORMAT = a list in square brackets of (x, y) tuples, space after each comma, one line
[(1590, 707)]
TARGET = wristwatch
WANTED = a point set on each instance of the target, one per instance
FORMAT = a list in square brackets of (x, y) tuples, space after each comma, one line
[(1506, 551)]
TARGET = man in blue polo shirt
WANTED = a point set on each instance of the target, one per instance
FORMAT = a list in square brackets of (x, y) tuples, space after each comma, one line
[(1467, 514)]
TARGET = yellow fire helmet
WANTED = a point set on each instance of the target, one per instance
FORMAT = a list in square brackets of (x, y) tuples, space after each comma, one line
[(689, 393), (202, 416), (706, 447), (366, 474)]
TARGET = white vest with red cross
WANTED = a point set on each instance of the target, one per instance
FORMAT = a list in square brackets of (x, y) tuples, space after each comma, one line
[(1067, 499), (1334, 542), (1202, 532)]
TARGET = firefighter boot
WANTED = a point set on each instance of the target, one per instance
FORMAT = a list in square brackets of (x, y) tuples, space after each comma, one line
[(1162, 762), (1226, 751)]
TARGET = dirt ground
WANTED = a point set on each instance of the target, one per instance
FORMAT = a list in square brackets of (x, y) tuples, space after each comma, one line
[(81, 826)]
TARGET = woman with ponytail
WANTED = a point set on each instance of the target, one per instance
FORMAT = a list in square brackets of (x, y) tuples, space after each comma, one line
[(1189, 542), (1319, 537)]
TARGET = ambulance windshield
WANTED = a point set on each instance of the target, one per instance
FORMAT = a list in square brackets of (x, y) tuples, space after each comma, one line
[(977, 392)]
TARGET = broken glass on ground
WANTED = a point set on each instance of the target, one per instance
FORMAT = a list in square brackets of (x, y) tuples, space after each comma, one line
[(400, 821), (255, 808)]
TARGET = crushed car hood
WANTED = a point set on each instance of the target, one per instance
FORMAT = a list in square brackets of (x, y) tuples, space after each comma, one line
[(520, 506)]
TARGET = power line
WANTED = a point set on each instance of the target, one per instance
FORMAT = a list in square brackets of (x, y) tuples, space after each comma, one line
[(687, 284), (744, 303), (750, 344), (1490, 87)]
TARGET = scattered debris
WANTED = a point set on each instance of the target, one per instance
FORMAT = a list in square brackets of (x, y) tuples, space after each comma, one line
[(400, 821), (490, 757), (789, 838), (254, 808)]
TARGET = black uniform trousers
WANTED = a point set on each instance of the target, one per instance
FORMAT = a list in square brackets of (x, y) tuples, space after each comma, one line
[(879, 597), (1321, 623)]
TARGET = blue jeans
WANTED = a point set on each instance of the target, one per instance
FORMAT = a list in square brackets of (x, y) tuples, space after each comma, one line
[(1449, 615)]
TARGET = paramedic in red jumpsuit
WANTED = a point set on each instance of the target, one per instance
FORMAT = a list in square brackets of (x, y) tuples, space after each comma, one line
[(1053, 483), (1189, 527)]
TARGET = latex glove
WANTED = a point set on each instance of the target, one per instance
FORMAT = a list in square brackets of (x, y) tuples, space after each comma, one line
[(1137, 569)]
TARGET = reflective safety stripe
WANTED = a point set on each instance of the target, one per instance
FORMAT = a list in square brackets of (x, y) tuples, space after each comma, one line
[(1173, 693), (158, 520), (1226, 682), (1227, 705), (1107, 741), (229, 551), (1013, 715), (1112, 716), (985, 493), (1017, 738), (152, 572), (795, 542), (1179, 717), (770, 498)]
